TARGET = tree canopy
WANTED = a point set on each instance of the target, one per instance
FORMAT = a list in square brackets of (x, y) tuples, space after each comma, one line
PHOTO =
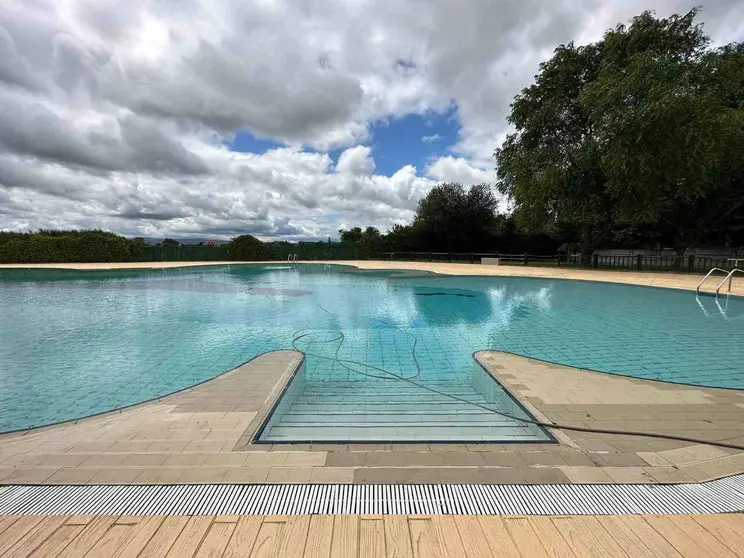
[(638, 134), (247, 248), (454, 219), (451, 218)]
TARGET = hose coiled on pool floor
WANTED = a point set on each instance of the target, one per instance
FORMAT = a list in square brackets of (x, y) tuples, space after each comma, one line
[(552, 425)]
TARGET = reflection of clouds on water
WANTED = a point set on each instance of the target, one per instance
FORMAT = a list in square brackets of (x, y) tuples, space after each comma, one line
[(507, 307), (164, 330)]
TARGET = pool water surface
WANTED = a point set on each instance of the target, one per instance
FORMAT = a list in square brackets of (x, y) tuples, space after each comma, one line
[(77, 343)]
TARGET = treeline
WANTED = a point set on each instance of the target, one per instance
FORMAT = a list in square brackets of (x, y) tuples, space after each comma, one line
[(88, 246), (451, 218)]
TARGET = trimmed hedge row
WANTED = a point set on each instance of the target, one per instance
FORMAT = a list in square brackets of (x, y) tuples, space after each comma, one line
[(85, 246), (101, 246)]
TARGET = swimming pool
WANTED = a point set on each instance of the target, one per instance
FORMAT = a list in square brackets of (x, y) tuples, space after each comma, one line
[(78, 343)]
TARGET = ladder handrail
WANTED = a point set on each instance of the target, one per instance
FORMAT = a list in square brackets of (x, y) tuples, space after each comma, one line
[(697, 290), (729, 278)]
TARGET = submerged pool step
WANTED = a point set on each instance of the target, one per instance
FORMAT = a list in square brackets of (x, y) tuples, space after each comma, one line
[(429, 408), (397, 419), (395, 411), (359, 433)]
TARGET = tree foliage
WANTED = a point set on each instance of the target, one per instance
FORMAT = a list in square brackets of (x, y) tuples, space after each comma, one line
[(453, 219), (637, 135), (247, 248)]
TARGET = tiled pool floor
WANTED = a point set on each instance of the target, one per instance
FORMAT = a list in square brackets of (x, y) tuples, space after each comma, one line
[(104, 341)]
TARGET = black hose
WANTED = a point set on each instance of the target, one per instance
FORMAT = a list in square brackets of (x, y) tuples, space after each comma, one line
[(552, 425), (341, 338)]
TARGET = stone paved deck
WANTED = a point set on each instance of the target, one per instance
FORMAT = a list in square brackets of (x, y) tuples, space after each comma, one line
[(202, 435), (349, 536)]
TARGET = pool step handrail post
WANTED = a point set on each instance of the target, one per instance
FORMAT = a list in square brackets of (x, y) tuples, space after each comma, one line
[(697, 290), (729, 278)]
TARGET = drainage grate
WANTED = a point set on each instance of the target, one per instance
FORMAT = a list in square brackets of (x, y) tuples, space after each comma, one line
[(721, 496)]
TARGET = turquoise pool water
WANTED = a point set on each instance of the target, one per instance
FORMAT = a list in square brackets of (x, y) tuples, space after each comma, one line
[(77, 343)]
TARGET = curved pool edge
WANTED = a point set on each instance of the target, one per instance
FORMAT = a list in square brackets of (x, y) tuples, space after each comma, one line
[(156, 399), (604, 373), (672, 281), (588, 460)]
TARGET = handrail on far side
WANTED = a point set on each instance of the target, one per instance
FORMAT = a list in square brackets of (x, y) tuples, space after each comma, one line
[(697, 290), (729, 278)]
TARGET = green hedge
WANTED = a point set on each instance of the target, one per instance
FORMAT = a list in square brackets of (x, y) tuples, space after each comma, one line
[(184, 253), (86, 246), (101, 246)]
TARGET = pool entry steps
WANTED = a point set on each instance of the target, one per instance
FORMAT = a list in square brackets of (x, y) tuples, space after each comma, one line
[(395, 410)]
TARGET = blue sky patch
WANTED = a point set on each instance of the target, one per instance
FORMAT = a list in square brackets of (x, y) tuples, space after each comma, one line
[(413, 139), (400, 141), (245, 142)]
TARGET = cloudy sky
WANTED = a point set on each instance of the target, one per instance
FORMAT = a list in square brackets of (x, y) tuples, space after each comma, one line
[(284, 119)]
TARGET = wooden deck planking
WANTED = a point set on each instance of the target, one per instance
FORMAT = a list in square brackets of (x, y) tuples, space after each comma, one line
[(657, 545), (45, 529), (726, 529), (524, 537), (90, 535), (162, 541), (319, 537), (362, 536), (16, 532), (471, 535), (397, 537), (345, 536), (551, 539), (243, 537), (371, 538), (215, 542), (498, 538)]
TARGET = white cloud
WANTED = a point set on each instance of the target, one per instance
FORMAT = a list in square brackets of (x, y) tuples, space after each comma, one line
[(432, 138), (115, 112), (356, 161), (458, 169)]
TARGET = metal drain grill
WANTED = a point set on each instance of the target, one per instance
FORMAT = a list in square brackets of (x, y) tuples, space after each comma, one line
[(721, 496)]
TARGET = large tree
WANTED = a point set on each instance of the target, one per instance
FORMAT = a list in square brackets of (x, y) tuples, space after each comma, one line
[(636, 134), (451, 218)]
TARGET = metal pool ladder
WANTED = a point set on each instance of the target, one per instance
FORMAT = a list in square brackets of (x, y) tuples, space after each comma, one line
[(711, 272), (292, 257), (729, 278)]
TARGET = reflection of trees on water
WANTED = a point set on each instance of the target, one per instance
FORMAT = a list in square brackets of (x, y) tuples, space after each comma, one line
[(443, 306)]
